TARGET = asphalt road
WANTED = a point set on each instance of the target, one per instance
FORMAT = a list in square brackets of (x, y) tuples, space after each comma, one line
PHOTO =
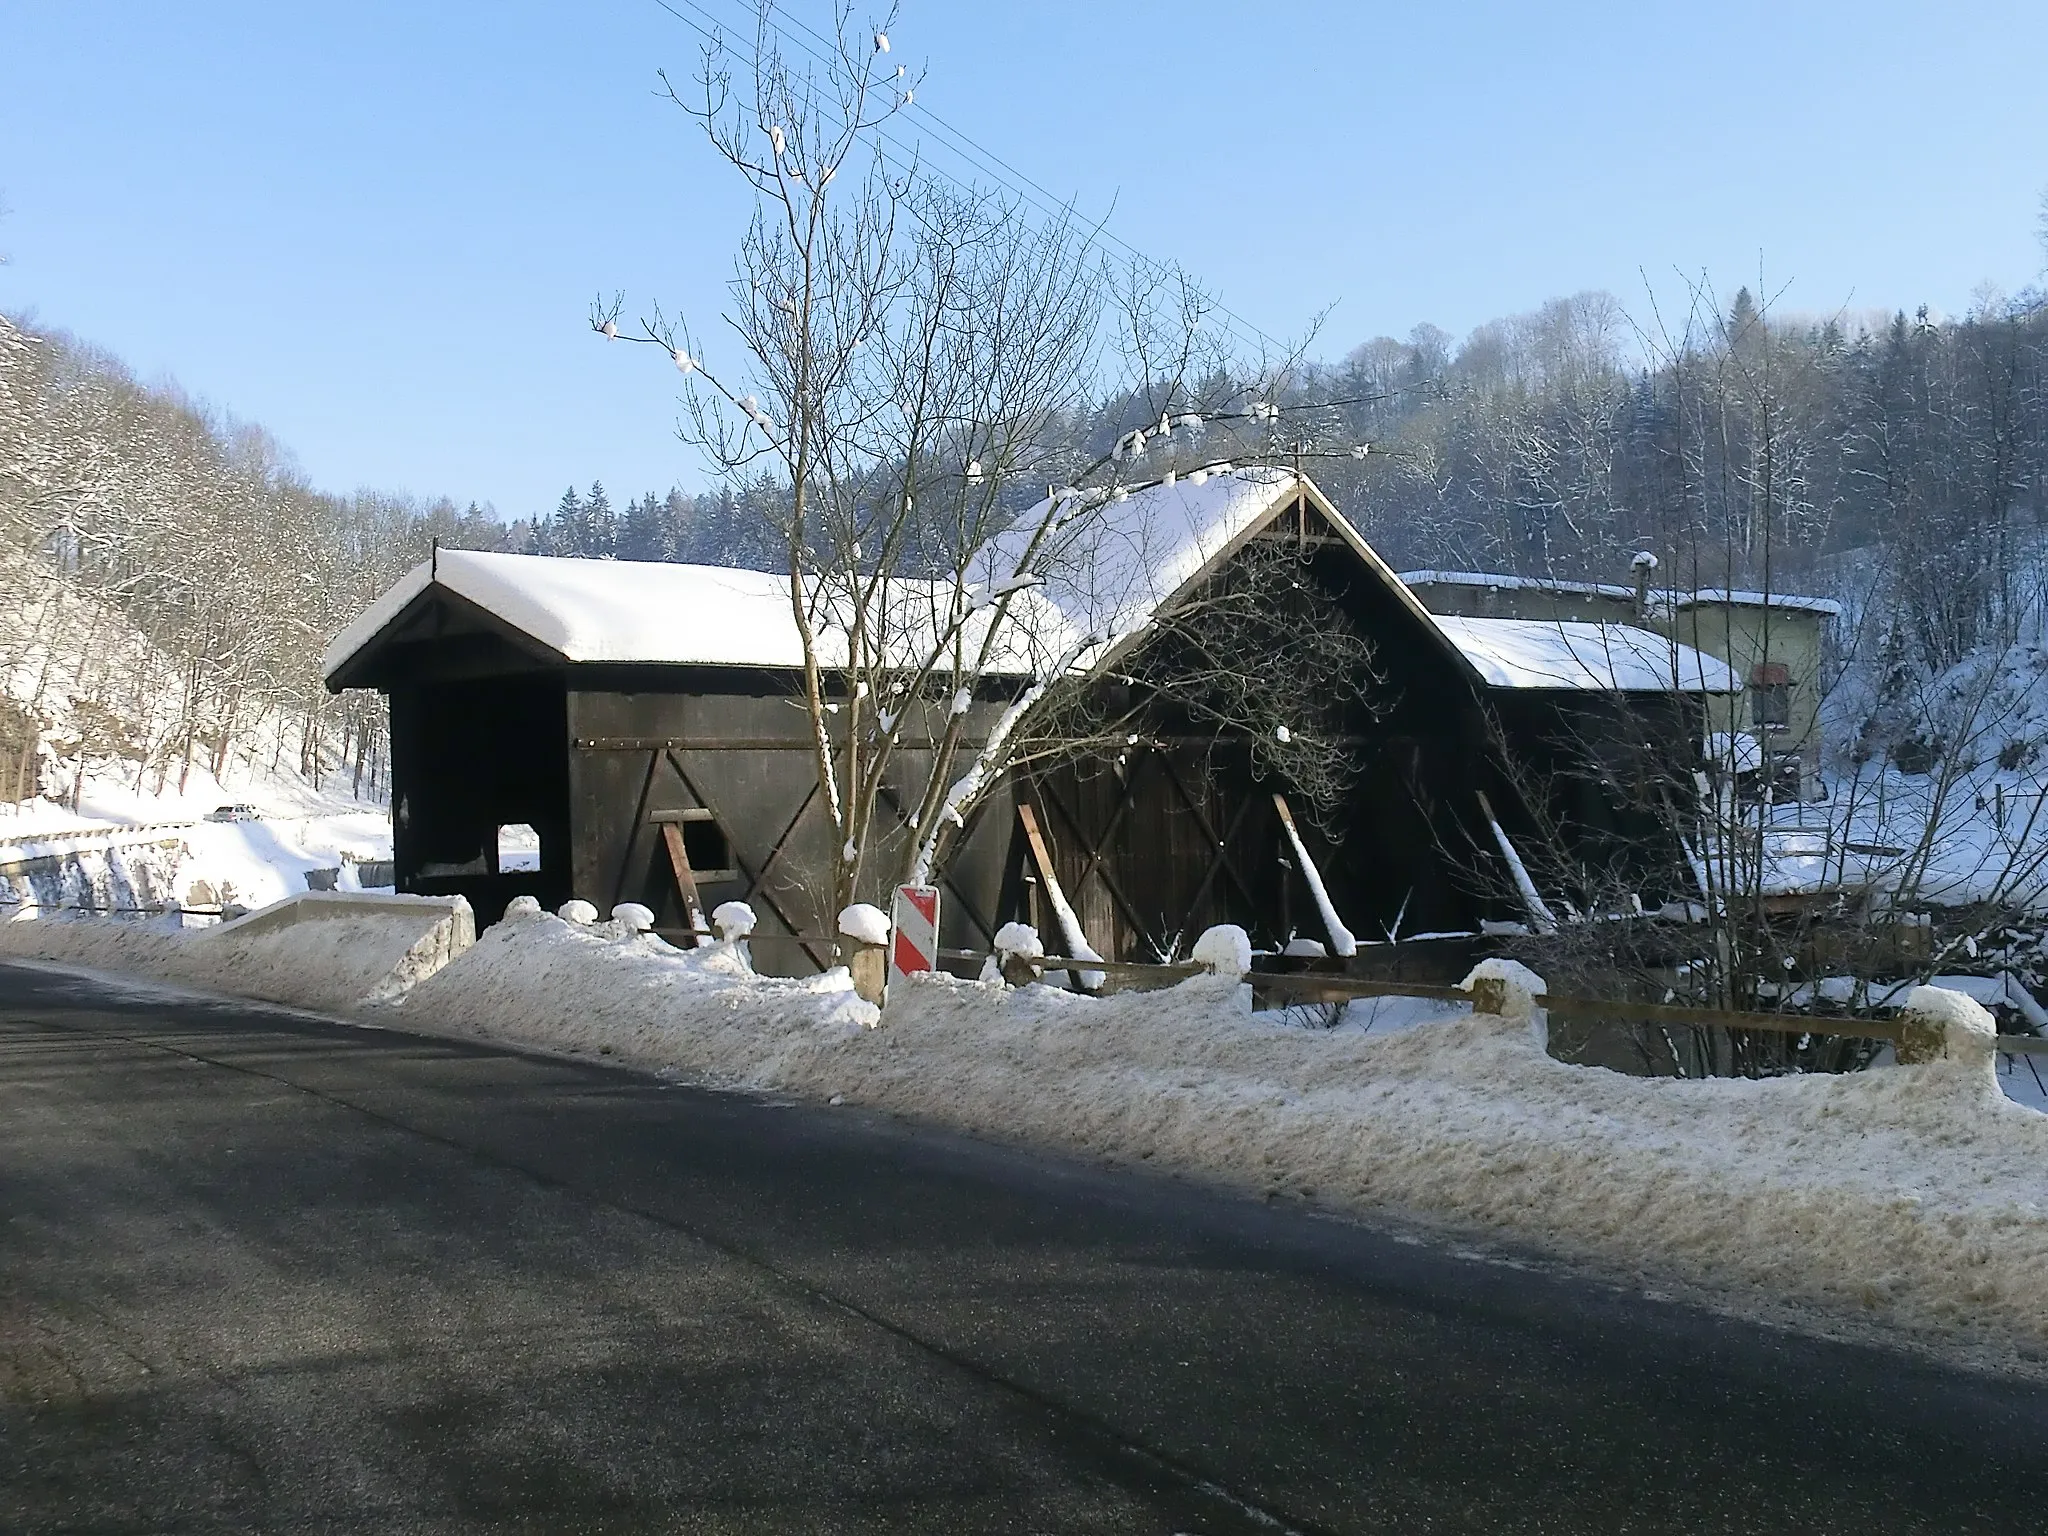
[(264, 1273)]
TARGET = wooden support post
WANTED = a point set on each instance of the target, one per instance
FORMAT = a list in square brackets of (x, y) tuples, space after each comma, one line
[(868, 964), (1049, 878), (686, 879)]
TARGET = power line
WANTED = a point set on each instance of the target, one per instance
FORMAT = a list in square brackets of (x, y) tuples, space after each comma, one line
[(992, 165), (1002, 170)]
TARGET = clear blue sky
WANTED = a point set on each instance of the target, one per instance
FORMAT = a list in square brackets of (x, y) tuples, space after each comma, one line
[(376, 228)]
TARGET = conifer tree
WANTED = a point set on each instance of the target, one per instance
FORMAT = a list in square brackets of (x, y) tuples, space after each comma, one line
[(600, 533)]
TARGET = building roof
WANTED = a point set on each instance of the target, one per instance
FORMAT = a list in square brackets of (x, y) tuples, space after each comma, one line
[(1827, 607), (648, 612), (1663, 596), (1125, 557), (1569, 654), (1492, 580), (1105, 570)]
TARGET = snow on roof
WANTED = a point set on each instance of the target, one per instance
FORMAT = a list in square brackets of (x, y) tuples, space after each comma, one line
[(1706, 596), (1492, 579), (1825, 606), (629, 611), (1117, 562), (1565, 653)]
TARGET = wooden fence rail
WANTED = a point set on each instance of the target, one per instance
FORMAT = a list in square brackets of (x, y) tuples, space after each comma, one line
[(1322, 987)]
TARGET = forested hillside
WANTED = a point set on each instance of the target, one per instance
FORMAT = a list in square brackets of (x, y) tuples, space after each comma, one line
[(1899, 462), (171, 580)]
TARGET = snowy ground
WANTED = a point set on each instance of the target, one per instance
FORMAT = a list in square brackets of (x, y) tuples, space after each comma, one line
[(252, 863), (1908, 1200)]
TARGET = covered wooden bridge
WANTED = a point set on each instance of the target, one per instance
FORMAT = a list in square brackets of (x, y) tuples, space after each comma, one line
[(646, 721)]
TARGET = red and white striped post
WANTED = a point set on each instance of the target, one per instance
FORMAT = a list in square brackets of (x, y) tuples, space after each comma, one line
[(914, 923)]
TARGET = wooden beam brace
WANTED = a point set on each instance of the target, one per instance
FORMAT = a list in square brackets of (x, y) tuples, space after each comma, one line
[(1101, 872), (686, 878), (1042, 856)]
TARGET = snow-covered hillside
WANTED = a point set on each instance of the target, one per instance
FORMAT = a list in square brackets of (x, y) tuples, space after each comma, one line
[(91, 703)]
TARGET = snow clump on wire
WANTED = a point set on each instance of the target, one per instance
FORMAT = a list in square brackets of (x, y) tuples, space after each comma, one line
[(732, 921), (1021, 940), (865, 924), (1225, 949)]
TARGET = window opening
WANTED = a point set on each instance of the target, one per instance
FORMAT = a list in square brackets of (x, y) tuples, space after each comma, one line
[(705, 843), (518, 848), (1770, 695)]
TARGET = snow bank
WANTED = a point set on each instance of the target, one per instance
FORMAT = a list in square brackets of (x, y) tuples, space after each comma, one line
[(1910, 1196), (536, 980), (329, 952)]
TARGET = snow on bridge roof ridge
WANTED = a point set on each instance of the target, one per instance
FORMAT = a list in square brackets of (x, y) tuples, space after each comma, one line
[(1112, 570), (642, 611)]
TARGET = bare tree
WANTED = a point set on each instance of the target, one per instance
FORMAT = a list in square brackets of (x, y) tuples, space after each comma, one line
[(908, 360)]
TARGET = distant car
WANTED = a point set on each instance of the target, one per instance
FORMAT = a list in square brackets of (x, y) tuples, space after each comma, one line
[(232, 813)]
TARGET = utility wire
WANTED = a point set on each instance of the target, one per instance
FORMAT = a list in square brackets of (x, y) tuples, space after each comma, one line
[(996, 168)]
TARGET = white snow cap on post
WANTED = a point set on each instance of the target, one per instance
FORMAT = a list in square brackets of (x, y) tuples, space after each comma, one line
[(632, 917), (1942, 1025), (520, 908), (581, 912), (1021, 940), (1225, 949), (732, 921), (865, 924), (1506, 988)]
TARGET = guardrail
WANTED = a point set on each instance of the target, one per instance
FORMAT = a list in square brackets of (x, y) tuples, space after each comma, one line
[(111, 829), (1328, 987)]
